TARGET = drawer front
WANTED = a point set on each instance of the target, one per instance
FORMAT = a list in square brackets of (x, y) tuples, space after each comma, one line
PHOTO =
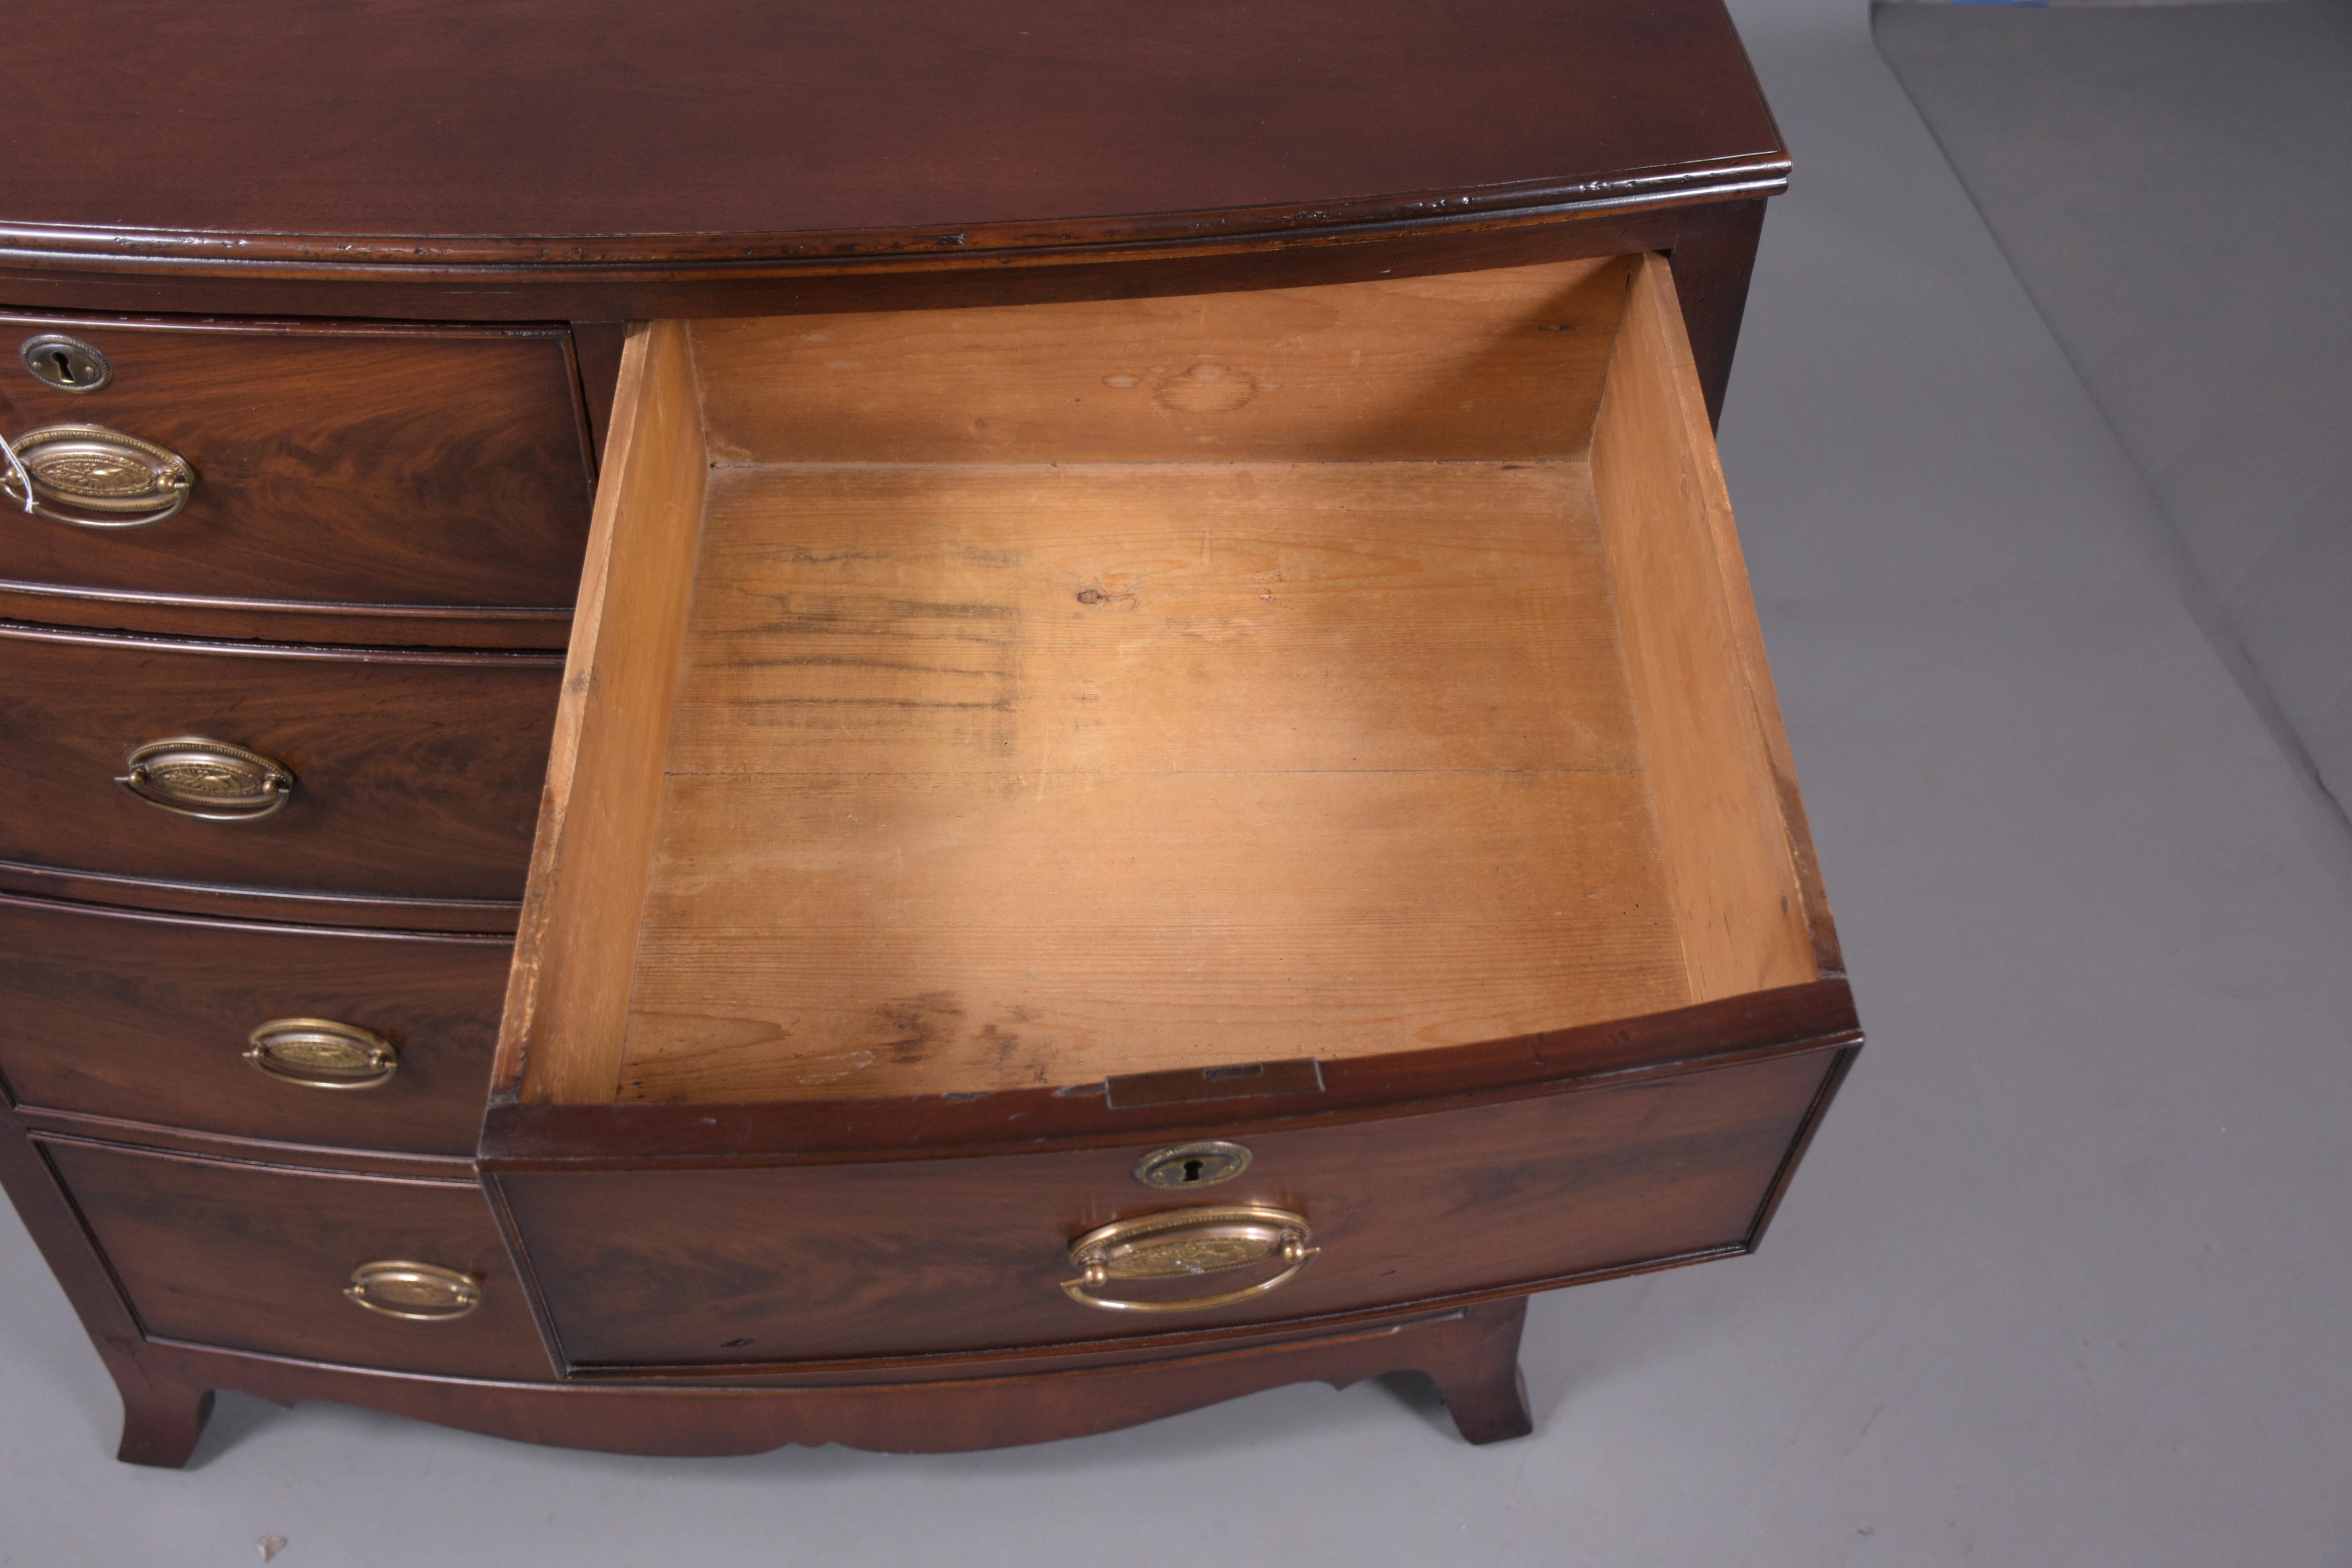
[(252, 1258), (413, 776), (384, 466), (712, 1267), (150, 1019)]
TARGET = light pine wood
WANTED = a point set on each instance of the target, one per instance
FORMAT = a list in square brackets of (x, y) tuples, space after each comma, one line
[(566, 997), (1737, 855), (989, 777), (1501, 364), (1028, 732), (1152, 617)]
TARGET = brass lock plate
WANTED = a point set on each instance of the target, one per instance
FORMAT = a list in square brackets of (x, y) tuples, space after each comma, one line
[(1184, 1165), (67, 364)]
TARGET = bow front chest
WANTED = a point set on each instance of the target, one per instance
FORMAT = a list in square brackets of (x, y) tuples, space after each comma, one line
[(919, 725)]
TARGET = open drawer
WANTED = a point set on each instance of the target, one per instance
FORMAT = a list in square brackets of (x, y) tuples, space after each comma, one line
[(1000, 743)]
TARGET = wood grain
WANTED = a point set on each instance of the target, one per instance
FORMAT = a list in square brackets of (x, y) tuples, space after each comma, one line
[(493, 917), (1496, 364), (865, 1259), (949, 1406), (1205, 262), (441, 131), (253, 1259), (144, 1019), (340, 467), (416, 774), (561, 1036), (1028, 618), (1716, 759), (989, 776)]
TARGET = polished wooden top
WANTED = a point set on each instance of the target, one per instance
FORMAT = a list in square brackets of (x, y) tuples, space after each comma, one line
[(695, 134)]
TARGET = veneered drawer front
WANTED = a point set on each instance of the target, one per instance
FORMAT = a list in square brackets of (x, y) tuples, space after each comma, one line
[(147, 1018), (416, 775), (255, 1258), (349, 465), (816, 1261)]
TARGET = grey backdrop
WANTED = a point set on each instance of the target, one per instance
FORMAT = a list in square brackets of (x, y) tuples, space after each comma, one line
[(2063, 1280)]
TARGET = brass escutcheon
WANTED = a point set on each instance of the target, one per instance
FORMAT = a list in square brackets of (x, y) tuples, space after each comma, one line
[(208, 779), (419, 1292), (109, 479), (1193, 1166), (1184, 1241), (319, 1052), (67, 364)]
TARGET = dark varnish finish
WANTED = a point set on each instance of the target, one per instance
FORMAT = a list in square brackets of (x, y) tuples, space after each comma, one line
[(489, 917), (650, 141), (850, 1260), (145, 1018), (283, 279), (417, 774), (428, 484), (215, 1253)]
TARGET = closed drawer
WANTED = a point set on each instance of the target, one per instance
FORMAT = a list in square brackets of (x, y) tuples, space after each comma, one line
[(649, 1267), (414, 774), (401, 468), (148, 1018), (252, 1258)]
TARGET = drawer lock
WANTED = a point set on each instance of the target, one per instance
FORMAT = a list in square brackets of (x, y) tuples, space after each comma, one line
[(1183, 1243), (420, 1292), (319, 1053), (1193, 1166), (67, 364), (208, 779), (95, 478)]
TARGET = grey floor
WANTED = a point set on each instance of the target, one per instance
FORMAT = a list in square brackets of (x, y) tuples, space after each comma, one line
[(2174, 186), (2064, 1279)]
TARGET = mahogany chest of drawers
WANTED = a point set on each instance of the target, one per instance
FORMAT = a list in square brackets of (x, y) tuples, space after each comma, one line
[(930, 727)]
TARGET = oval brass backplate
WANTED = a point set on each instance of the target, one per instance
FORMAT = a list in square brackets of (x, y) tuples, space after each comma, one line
[(419, 1292), (1186, 1165), (107, 479), (67, 364), (208, 779), (319, 1052), (1188, 1243)]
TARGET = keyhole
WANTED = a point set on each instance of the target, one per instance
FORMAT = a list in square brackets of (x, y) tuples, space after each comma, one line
[(1192, 1169), (67, 364)]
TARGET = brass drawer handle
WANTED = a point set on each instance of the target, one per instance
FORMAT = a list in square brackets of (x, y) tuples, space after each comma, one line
[(319, 1052), (1182, 1242), (208, 779), (95, 478), (419, 1292)]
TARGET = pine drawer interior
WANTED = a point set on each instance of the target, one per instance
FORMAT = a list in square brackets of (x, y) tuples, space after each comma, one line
[(972, 699)]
